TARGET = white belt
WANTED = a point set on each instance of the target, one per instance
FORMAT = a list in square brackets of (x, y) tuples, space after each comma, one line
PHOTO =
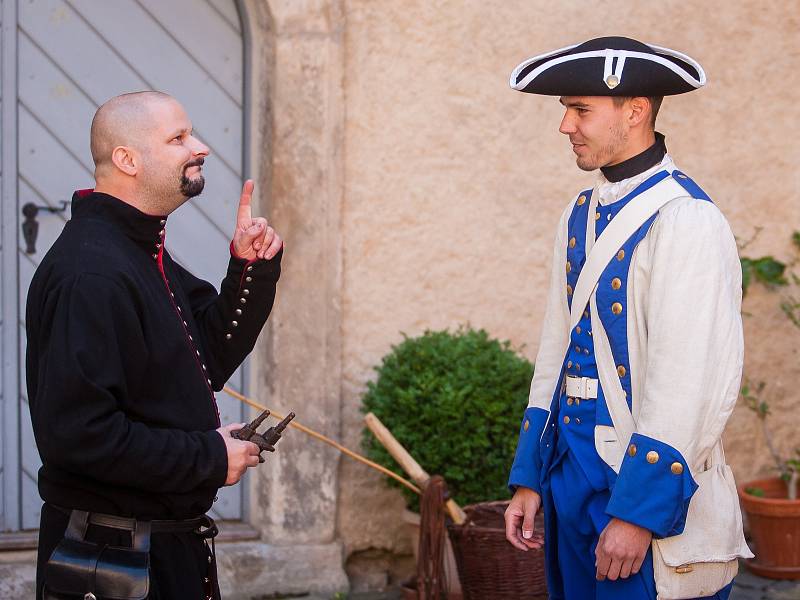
[(582, 387)]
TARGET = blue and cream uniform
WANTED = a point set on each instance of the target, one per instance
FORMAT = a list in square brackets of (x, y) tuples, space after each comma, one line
[(632, 390), (558, 453)]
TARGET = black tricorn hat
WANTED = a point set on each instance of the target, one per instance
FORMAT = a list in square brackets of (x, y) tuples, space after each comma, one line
[(609, 66)]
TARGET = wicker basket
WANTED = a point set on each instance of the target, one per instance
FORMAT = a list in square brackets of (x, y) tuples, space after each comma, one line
[(488, 565)]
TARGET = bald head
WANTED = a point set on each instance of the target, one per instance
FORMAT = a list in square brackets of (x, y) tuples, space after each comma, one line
[(124, 120)]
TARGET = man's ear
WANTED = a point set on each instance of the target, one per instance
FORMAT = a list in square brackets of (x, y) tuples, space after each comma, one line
[(126, 160), (640, 109)]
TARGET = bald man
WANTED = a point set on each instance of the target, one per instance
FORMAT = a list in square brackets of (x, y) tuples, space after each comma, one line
[(125, 351)]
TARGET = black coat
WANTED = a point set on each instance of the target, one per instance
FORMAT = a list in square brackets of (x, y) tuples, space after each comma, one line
[(124, 349)]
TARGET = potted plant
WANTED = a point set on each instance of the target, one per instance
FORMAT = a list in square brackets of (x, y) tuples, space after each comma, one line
[(772, 505), (453, 400)]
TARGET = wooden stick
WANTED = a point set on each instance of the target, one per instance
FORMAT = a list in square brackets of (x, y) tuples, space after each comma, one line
[(405, 460), (324, 439)]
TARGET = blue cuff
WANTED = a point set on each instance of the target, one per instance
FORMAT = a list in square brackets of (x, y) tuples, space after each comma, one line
[(527, 465), (653, 488)]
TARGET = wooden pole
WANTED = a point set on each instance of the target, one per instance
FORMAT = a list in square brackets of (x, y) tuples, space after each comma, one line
[(324, 439), (405, 460)]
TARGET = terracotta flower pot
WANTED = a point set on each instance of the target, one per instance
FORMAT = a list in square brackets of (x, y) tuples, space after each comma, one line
[(775, 529)]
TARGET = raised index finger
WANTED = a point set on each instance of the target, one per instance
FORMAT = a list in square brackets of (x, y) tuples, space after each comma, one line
[(244, 215)]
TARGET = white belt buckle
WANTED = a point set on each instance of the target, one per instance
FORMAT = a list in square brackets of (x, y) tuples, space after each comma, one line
[(582, 387)]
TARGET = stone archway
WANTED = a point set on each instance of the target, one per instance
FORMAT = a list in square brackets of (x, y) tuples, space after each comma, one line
[(294, 68)]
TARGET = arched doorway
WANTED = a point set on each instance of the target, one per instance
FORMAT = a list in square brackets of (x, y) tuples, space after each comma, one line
[(61, 59)]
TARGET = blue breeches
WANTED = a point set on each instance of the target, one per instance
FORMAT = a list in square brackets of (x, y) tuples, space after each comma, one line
[(581, 517)]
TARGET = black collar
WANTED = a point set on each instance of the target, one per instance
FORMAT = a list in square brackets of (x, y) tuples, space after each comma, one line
[(637, 164), (146, 230)]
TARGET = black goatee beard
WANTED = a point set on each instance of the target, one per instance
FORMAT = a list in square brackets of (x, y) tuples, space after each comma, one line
[(192, 187)]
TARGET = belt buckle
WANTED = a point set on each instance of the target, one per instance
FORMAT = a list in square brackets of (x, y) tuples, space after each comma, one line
[(584, 387)]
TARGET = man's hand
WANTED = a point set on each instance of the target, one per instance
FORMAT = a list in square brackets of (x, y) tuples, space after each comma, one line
[(241, 454), (253, 238), (621, 550), (519, 519)]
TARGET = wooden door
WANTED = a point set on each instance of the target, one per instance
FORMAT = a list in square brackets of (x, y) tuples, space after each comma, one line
[(62, 59)]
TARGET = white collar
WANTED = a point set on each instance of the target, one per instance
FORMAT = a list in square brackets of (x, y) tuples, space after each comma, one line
[(609, 192)]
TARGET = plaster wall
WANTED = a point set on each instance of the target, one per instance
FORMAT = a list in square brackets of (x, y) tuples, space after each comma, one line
[(453, 184)]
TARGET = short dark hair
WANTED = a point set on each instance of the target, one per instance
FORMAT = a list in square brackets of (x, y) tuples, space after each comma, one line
[(655, 105)]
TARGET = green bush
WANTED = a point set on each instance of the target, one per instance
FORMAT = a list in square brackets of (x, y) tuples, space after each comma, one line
[(454, 401)]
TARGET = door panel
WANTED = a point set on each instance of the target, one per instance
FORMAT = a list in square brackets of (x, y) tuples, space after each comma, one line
[(72, 56)]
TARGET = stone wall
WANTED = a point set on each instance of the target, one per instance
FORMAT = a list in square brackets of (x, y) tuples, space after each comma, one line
[(454, 183)]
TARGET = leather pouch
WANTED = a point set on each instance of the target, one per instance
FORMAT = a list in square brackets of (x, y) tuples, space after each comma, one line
[(79, 569)]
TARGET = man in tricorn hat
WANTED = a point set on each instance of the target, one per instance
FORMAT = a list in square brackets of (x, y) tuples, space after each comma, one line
[(641, 351)]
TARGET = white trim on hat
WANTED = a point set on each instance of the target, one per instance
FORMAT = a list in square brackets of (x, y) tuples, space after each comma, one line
[(621, 55), (685, 58), (524, 64)]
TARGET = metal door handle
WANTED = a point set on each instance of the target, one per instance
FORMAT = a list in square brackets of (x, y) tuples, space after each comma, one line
[(30, 226)]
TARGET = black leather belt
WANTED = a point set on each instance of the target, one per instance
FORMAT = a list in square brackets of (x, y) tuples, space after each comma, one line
[(195, 524)]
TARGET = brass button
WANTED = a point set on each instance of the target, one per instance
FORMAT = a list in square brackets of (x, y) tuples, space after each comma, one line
[(235, 323), (616, 283), (570, 401), (209, 381), (163, 222), (569, 267), (572, 242), (155, 256), (246, 292), (621, 370), (250, 268), (228, 336), (248, 279), (596, 216), (243, 300), (577, 401), (676, 468), (569, 365), (621, 255), (578, 349), (632, 450), (616, 308), (527, 425), (586, 351), (581, 200), (185, 324), (612, 81), (238, 311), (586, 314), (569, 290), (577, 330), (652, 457), (577, 366), (566, 420), (577, 420), (197, 352), (684, 569)]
